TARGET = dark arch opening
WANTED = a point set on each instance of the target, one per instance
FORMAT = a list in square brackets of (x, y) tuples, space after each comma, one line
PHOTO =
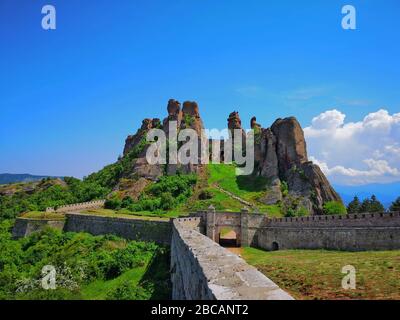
[(228, 237), (275, 246)]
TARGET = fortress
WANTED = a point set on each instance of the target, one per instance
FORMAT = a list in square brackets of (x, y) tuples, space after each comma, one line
[(202, 269), (280, 156)]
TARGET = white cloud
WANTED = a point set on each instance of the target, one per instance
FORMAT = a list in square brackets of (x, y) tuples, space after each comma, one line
[(356, 153), (328, 120)]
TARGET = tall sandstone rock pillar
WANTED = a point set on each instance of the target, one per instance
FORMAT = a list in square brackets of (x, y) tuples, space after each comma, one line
[(304, 178)]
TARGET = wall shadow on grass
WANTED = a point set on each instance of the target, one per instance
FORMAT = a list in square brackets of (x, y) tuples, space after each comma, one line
[(156, 279)]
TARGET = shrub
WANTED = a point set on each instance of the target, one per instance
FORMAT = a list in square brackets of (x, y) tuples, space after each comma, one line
[(113, 203), (284, 188), (334, 207), (205, 195), (290, 212), (128, 291), (302, 212), (296, 212), (126, 202), (167, 201)]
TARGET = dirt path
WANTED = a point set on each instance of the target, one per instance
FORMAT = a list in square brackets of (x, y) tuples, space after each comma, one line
[(236, 250), (231, 235), (233, 196)]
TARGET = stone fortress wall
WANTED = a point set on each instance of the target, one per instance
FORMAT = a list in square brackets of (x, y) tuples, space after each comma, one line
[(158, 231), (203, 270), (24, 227), (77, 206), (353, 232)]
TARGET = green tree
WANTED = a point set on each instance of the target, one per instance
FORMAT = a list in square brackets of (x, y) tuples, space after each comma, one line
[(395, 205), (334, 207), (354, 206), (371, 205)]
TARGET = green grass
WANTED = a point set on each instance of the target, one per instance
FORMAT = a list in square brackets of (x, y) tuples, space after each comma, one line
[(220, 201), (98, 290), (272, 210), (246, 187), (145, 215), (316, 274), (43, 215), (224, 231), (250, 188)]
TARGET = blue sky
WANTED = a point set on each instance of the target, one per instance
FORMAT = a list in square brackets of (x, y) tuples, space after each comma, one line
[(69, 97)]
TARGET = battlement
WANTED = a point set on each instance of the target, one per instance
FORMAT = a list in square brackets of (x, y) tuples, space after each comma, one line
[(201, 269), (77, 206), (362, 231), (381, 219)]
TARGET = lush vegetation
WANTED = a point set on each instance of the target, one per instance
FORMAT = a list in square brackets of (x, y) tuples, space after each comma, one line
[(49, 193), (87, 267), (367, 205), (316, 274), (168, 193), (249, 188), (246, 187), (334, 207)]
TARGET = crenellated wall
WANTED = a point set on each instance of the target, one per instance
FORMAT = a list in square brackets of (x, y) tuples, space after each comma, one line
[(203, 270), (77, 206), (353, 232)]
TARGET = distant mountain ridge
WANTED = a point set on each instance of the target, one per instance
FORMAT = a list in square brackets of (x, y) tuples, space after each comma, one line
[(6, 178)]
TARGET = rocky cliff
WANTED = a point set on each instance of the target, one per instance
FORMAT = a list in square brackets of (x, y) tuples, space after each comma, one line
[(178, 119), (280, 157)]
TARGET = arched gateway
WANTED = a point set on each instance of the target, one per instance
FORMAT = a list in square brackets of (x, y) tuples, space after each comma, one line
[(216, 222)]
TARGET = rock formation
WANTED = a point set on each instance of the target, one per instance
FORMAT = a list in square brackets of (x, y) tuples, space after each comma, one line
[(234, 123), (253, 124), (136, 144), (187, 117), (291, 145), (280, 156)]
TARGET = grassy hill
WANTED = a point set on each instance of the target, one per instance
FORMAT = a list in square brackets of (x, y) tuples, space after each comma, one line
[(170, 196), (215, 185)]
